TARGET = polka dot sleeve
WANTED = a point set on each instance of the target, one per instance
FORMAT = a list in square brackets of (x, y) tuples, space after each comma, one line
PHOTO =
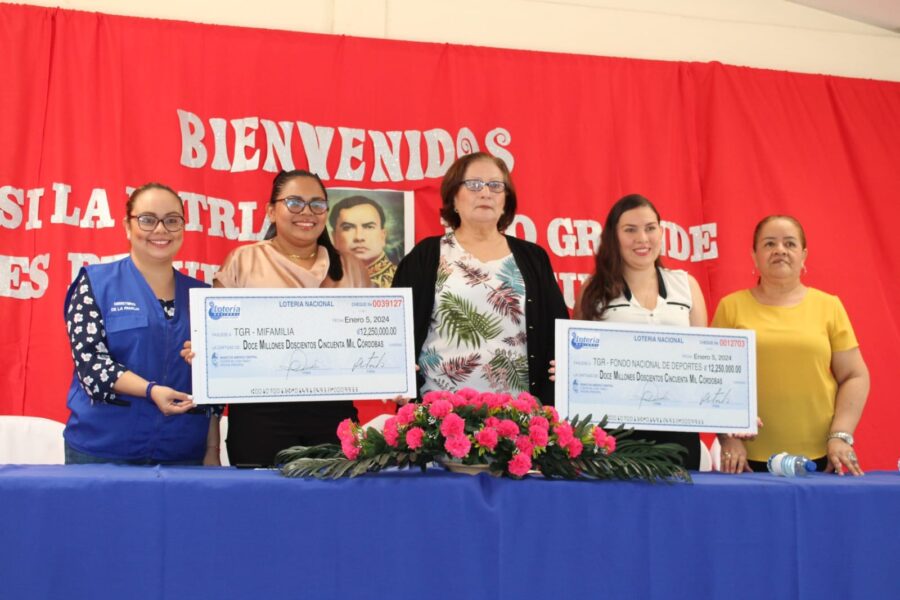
[(95, 368)]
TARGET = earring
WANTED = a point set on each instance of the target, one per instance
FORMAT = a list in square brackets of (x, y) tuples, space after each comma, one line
[(804, 270), (754, 272), (456, 210)]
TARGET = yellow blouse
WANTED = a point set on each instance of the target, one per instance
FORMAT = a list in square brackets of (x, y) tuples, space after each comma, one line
[(795, 387)]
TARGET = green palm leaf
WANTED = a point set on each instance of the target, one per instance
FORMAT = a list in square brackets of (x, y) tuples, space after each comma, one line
[(461, 323), (443, 274), (514, 367)]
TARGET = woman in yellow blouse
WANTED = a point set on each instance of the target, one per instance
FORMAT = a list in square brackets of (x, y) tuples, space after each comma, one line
[(812, 381)]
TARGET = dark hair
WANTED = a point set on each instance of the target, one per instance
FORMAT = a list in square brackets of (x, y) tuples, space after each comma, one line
[(335, 267), (608, 281), (758, 230), (350, 202), (129, 206), (454, 177)]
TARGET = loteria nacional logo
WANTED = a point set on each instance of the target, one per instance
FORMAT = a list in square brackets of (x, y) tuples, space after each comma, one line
[(228, 310), (580, 341)]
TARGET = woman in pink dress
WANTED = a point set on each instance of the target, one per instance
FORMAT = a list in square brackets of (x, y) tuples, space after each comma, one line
[(297, 253)]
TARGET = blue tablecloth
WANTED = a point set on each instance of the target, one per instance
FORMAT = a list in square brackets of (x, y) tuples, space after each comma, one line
[(99, 531)]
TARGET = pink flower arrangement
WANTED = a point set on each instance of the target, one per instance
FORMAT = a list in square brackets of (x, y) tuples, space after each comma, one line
[(513, 436)]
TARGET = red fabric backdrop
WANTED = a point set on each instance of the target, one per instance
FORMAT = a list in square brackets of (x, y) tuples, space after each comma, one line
[(89, 105)]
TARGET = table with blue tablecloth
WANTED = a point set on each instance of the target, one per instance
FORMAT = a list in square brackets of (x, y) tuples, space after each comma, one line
[(101, 531)]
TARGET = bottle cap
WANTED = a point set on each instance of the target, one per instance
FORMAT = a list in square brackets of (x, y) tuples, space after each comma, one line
[(809, 466)]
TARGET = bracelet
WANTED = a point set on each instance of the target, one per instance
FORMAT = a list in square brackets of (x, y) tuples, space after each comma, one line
[(840, 435), (150, 386)]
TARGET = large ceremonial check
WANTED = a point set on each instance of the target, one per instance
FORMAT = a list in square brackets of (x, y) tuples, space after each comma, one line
[(659, 378), (290, 345)]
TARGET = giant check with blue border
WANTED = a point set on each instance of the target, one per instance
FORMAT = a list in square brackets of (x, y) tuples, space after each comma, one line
[(657, 378), (294, 345)]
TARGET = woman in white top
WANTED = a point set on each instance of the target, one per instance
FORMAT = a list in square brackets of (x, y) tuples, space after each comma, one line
[(630, 285)]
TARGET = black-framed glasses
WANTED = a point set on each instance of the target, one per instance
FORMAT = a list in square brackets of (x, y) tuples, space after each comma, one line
[(148, 222), (296, 204), (476, 185)]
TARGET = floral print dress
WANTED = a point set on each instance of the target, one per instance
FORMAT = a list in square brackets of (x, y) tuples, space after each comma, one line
[(477, 334)]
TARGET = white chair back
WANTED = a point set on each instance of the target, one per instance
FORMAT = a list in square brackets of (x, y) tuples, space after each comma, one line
[(223, 434), (715, 453), (705, 458), (378, 422), (31, 441)]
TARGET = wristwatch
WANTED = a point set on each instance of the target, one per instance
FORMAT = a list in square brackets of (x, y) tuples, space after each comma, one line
[(841, 435)]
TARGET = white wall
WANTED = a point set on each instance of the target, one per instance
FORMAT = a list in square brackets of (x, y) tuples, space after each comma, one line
[(775, 34)]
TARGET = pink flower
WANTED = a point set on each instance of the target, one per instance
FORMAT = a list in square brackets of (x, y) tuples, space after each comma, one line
[(521, 405), (391, 434), (520, 465), (610, 444), (531, 400), (456, 400), (414, 438), (487, 438), (504, 400), (467, 394), (350, 450), (523, 443), (575, 448), (483, 399), (440, 408), (491, 422), (497, 400), (564, 434), (453, 425), (345, 430), (406, 414), (539, 422), (508, 428), (435, 395), (552, 414), (600, 436), (458, 446), (539, 435)]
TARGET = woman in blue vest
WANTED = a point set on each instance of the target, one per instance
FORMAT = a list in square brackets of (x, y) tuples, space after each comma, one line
[(127, 320)]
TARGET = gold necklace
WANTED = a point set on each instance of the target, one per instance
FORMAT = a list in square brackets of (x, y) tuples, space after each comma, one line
[(297, 256)]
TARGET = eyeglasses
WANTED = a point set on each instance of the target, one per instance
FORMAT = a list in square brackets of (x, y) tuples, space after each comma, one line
[(476, 185), (296, 204), (148, 222)]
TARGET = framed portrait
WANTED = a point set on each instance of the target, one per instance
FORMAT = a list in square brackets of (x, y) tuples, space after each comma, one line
[(376, 226)]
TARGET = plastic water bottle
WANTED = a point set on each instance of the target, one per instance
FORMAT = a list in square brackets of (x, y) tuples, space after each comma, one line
[(790, 465)]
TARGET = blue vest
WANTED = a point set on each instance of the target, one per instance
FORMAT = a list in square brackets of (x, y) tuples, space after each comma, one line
[(140, 337)]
